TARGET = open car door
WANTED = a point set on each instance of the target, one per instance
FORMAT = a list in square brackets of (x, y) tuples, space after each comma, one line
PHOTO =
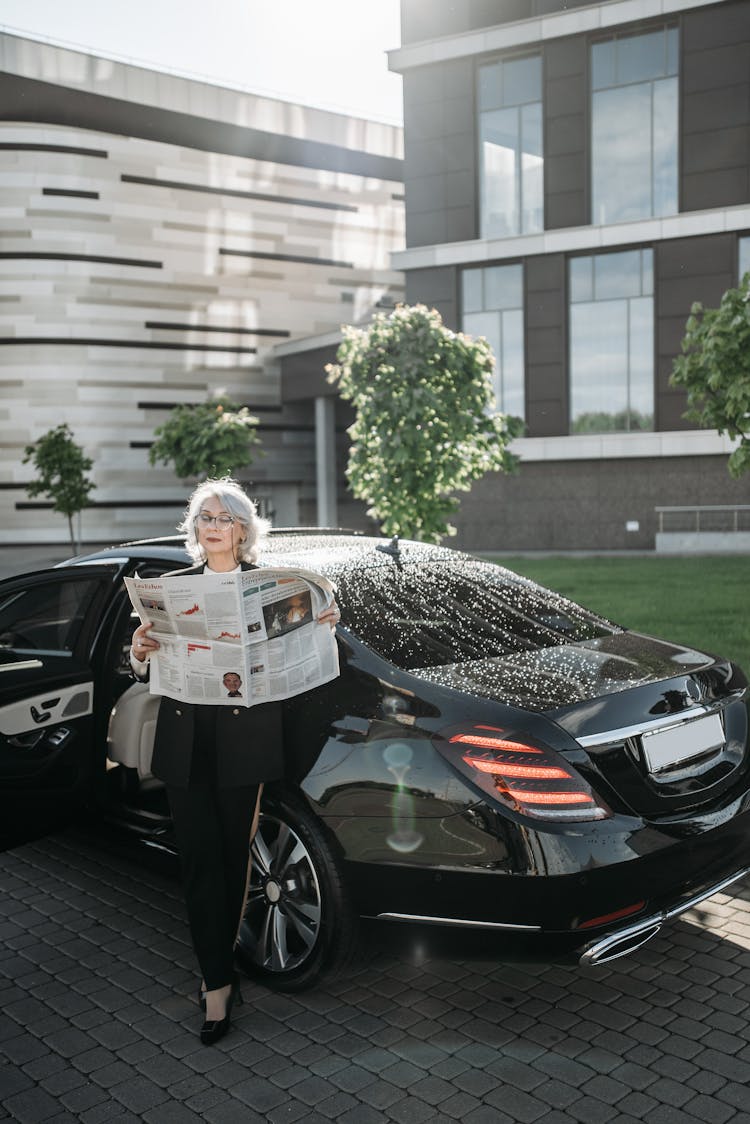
[(49, 626)]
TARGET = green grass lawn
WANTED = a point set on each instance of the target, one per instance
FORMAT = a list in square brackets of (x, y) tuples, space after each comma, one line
[(700, 602)]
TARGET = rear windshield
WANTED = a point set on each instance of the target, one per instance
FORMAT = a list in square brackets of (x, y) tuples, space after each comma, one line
[(435, 613)]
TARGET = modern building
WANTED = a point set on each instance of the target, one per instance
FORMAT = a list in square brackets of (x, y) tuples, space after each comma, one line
[(161, 237), (576, 175)]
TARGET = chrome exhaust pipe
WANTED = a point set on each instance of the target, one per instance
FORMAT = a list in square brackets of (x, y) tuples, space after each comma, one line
[(620, 944), (627, 940)]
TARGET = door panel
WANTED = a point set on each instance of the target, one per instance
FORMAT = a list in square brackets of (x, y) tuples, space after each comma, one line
[(48, 687), (45, 709)]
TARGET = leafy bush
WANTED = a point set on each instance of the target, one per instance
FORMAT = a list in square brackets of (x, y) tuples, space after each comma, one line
[(425, 423), (215, 438)]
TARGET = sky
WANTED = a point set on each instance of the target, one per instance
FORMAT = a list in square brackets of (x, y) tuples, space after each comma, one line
[(327, 53)]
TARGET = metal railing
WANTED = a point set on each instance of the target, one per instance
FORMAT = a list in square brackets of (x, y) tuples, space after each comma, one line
[(726, 518)]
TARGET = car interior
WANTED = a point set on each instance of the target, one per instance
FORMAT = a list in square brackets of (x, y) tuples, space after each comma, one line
[(130, 784)]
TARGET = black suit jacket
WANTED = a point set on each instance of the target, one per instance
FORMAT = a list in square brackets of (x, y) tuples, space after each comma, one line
[(249, 740)]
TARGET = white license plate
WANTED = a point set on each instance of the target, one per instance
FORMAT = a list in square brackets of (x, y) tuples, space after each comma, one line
[(665, 748)]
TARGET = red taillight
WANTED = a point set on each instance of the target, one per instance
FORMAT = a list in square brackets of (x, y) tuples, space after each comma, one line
[(532, 779), (482, 740), (616, 915)]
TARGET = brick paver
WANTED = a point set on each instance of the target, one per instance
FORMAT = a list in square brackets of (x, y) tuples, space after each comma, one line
[(97, 984)]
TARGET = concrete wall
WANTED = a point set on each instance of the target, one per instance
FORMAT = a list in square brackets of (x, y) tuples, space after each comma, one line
[(142, 271), (428, 19), (585, 505), (440, 124), (715, 103), (440, 157)]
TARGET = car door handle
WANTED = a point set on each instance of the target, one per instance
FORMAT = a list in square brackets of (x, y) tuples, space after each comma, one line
[(26, 741), (57, 737)]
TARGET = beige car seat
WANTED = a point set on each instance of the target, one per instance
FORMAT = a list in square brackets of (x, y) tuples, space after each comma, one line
[(132, 724)]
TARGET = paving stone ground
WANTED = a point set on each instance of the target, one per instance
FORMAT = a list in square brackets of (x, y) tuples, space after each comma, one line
[(99, 1020)]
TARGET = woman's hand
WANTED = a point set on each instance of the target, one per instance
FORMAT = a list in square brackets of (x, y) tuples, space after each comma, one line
[(142, 644), (330, 615)]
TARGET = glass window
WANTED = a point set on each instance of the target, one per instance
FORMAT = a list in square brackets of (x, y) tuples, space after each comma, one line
[(47, 617), (744, 256), (510, 142), (492, 301), (472, 297), (634, 126), (611, 342), (435, 613)]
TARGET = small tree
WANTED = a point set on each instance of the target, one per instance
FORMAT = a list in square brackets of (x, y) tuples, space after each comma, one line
[(62, 469), (424, 425), (714, 369), (214, 438)]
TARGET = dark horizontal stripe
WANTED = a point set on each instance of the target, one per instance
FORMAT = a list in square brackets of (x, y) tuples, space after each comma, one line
[(172, 405), (25, 506), (286, 257), (43, 505), (74, 194), (154, 345), (398, 198), (164, 327), (178, 185), (41, 256), (10, 146), (285, 428), (28, 99), (264, 427)]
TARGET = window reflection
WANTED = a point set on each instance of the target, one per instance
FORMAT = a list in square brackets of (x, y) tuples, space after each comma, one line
[(46, 617), (611, 342), (492, 301), (744, 257), (510, 143), (634, 126)]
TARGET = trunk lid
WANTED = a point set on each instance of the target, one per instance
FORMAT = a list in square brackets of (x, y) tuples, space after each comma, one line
[(665, 727)]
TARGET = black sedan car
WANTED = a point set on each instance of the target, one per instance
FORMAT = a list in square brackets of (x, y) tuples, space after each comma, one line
[(491, 756)]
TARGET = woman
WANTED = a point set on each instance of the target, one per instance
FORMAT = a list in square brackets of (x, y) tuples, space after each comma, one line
[(214, 760)]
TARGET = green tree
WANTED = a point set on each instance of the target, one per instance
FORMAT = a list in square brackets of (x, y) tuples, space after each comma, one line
[(425, 424), (215, 438), (62, 469), (714, 369)]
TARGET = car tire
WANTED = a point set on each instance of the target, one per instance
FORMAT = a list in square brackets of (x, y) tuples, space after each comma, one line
[(298, 920)]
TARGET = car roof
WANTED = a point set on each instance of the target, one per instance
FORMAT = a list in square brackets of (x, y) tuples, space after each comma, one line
[(322, 550)]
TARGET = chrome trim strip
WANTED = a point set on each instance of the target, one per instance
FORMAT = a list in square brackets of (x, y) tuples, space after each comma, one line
[(684, 906), (606, 949), (21, 665), (458, 922), (636, 730)]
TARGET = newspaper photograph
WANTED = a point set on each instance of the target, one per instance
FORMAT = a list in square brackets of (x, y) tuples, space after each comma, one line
[(237, 639)]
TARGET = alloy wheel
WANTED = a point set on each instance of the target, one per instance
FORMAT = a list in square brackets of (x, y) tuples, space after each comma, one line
[(281, 925)]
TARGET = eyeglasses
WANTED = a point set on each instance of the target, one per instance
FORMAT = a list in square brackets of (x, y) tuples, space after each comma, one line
[(221, 522)]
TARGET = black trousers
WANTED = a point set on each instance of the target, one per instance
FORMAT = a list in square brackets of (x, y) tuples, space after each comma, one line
[(212, 828)]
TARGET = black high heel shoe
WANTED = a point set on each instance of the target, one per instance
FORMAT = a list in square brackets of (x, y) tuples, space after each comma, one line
[(213, 1030)]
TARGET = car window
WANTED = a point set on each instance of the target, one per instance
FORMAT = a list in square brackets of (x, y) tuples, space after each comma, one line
[(128, 620), (46, 617), (438, 613)]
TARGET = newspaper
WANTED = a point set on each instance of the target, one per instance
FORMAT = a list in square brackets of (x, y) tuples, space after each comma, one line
[(237, 639)]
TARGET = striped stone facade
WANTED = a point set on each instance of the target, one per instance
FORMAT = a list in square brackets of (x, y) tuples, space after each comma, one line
[(162, 256)]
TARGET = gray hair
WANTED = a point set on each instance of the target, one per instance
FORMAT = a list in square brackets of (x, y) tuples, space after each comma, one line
[(233, 499)]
